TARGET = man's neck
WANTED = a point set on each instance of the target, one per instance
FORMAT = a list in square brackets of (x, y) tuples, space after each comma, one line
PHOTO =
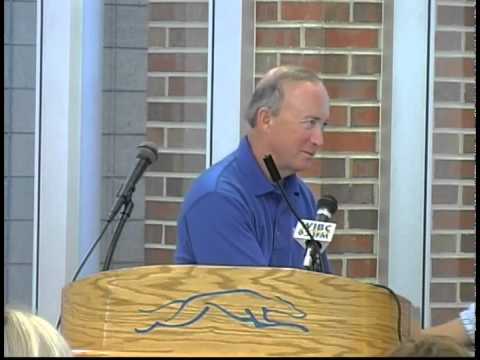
[(260, 150)]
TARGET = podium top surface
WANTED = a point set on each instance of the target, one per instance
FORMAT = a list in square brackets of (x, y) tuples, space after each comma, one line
[(182, 310)]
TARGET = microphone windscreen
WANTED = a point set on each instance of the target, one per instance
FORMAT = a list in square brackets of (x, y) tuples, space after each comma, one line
[(328, 202), (147, 151)]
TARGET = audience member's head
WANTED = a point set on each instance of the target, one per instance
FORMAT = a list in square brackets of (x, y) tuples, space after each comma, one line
[(430, 346), (28, 335)]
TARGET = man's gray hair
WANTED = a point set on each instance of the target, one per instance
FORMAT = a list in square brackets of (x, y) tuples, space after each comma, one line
[(269, 92)]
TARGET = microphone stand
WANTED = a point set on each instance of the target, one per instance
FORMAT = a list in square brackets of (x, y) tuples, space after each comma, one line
[(125, 214)]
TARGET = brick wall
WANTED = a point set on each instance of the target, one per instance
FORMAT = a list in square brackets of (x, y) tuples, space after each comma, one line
[(341, 41), (453, 191), (176, 116)]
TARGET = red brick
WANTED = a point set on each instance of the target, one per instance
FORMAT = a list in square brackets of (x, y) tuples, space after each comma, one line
[(350, 193), (369, 13), (177, 63), (453, 219), (366, 64), (364, 168), (338, 116), (454, 67), (350, 38), (277, 37), (468, 197), (155, 135), (445, 91), (361, 268), (467, 243), (320, 63), (178, 186), (467, 292), (154, 186), (453, 267), (443, 292), (444, 194), (454, 169), (349, 142), (190, 37), (326, 168), (446, 144), (454, 118), (469, 41), (448, 41), (156, 37), (443, 244), (365, 116), (264, 62), (352, 89), (318, 11), (153, 233), (266, 11), (193, 138), (186, 12), (185, 163), (170, 235), (363, 219), (470, 93), (455, 15), (357, 244), (187, 86), (161, 210), (159, 256), (177, 112)]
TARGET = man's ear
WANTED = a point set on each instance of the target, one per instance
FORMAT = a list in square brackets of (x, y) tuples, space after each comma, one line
[(264, 118)]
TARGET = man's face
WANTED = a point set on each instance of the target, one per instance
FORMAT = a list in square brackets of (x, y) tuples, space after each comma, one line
[(296, 132)]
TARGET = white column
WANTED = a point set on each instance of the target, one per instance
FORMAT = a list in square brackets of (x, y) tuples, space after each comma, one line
[(91, 131), (67, 149), (405, 176), (231, 52)]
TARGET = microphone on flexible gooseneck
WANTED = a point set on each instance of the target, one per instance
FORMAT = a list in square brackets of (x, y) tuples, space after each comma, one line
[(313, 247), (147, 154), (326, 207)]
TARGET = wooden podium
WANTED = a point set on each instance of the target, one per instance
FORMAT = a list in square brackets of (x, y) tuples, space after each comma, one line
[(181, 310)]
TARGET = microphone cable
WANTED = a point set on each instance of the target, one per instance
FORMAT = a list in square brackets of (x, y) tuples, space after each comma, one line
[(85, 258), (399, 308)]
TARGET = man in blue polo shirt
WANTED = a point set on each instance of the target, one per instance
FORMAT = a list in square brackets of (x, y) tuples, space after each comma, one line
[(234, 215)]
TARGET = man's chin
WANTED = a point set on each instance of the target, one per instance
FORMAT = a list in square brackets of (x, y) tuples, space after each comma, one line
[(304, 165)]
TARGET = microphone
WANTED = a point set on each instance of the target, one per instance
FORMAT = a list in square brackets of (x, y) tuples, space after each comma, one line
[(321, 228), (147, 154), (313, 245)]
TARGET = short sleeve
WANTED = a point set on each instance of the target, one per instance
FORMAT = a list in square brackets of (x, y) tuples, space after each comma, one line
[(217, 230)]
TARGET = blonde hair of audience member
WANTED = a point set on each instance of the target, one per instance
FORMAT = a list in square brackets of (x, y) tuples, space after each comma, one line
[(26, 334), (430, 346)]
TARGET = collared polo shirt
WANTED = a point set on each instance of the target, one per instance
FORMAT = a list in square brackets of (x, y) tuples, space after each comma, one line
[(233, 215)]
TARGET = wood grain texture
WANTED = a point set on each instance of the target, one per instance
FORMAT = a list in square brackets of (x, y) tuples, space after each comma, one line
[(307, 314)]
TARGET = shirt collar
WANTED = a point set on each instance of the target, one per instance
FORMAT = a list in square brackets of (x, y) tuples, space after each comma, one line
[(253, 175)]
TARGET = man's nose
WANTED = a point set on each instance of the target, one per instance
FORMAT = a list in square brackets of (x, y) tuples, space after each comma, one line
[(317, 136)]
